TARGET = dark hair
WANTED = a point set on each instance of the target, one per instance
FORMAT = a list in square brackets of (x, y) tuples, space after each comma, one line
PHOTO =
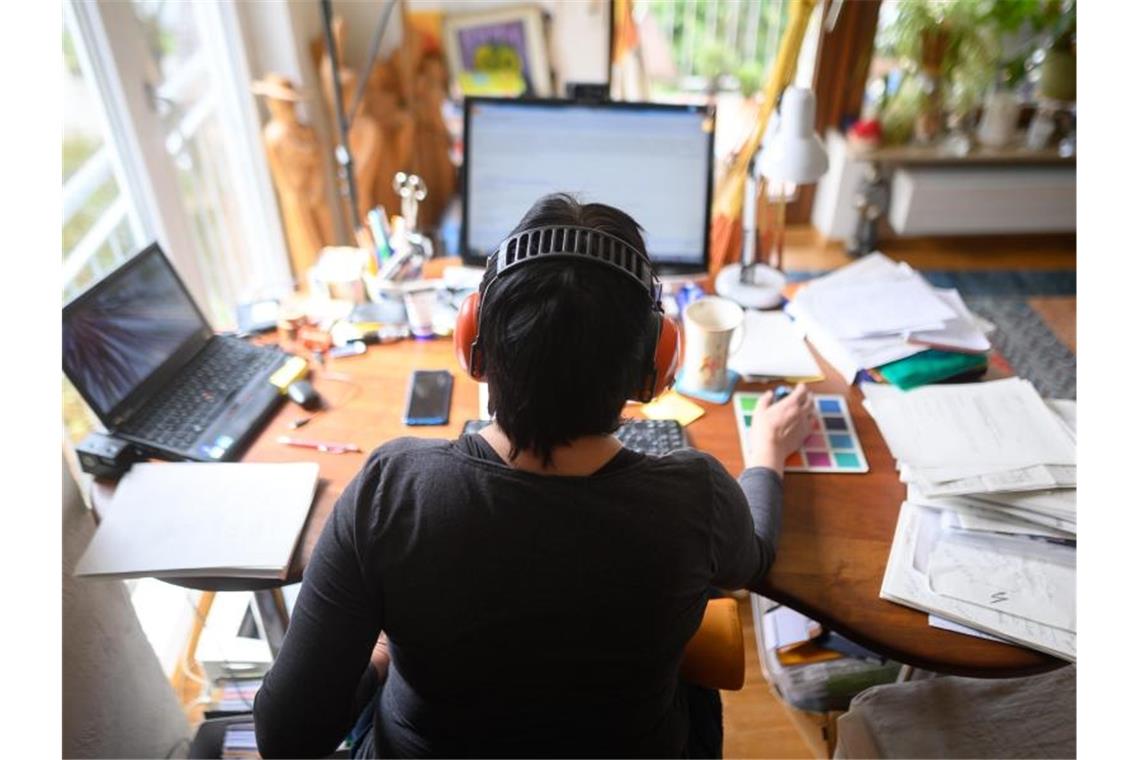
[(564, 343)]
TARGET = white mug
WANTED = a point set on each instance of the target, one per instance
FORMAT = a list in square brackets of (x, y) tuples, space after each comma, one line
[(709, 326)]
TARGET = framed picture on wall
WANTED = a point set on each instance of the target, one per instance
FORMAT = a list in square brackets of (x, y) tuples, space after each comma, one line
[(499, 52)]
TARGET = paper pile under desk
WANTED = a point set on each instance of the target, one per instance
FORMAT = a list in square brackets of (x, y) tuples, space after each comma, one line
[(876, 311), (987, 536)]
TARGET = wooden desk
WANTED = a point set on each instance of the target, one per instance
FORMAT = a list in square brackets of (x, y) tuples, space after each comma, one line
[(837, 528)]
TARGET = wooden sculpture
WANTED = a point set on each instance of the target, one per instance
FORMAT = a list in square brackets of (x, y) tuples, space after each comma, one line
[(397, 131), (431, 159), (294, 155), (403, 100)]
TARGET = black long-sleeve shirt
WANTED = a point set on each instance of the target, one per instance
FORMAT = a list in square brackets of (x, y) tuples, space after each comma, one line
[(527, 614)]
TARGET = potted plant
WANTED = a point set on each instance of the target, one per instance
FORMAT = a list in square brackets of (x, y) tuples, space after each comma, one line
[(945, 52)]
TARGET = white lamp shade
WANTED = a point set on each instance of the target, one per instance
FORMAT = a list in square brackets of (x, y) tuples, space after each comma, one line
[(795, 154)]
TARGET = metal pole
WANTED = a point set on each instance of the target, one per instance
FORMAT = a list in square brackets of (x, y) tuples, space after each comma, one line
[(343, 154)]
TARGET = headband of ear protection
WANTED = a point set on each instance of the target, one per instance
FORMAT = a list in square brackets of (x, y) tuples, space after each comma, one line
[(575, 244)]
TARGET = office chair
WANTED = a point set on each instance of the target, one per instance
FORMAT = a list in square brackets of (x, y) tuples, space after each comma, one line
[(714, 657)]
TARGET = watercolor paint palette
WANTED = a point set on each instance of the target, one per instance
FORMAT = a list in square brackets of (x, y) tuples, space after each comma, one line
[(831, 446)]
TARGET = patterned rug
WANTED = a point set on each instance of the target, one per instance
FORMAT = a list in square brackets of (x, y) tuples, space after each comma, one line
[(1022, 340)]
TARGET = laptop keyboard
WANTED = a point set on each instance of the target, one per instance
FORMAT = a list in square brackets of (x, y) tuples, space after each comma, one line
[(191, 402)]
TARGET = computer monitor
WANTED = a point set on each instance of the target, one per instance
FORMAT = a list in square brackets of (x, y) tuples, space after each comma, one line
[(652, 160)]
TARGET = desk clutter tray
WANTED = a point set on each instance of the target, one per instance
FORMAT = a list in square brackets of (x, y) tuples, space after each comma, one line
[(831, 446)]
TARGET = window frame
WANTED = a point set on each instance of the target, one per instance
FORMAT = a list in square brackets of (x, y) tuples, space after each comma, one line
[(114, 53)]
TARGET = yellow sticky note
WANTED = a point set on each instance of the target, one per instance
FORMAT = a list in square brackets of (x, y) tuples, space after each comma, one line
[(672, 406)]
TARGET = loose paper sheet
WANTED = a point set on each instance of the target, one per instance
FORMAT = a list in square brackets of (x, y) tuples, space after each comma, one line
[(1001, 423), (1029, 581), (773, 347), (905, 582), (871, 308)]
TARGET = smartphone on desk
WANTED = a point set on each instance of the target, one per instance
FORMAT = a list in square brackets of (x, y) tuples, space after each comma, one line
[(429, 398)]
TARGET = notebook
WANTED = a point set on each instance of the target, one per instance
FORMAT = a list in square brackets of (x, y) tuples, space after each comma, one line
[(184, 519)]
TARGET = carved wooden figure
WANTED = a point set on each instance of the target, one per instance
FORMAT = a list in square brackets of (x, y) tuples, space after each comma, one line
[(294, 155), (431, 159)]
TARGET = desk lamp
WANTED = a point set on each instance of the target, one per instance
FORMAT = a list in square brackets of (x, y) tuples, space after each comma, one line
[(793, 155)]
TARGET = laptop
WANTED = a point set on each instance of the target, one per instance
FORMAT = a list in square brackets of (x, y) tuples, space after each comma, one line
[(140, 352)]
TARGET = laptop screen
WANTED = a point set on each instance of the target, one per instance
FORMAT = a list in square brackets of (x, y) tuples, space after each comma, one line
[(117, 334)]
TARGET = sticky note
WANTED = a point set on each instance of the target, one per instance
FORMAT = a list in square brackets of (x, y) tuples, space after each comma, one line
[(832, 445), (672, 406)]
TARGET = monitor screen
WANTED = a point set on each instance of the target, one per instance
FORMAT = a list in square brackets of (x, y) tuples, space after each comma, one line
[(653, 161), (125, 327)]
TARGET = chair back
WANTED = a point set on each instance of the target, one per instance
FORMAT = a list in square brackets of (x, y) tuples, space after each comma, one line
[(714, 657)]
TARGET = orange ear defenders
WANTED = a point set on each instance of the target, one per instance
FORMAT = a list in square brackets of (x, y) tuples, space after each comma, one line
[(575, 244)]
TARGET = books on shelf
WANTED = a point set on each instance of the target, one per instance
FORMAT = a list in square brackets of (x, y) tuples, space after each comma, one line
[(240, 742)]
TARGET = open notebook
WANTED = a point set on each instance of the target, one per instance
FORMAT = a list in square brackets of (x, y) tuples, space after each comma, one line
[(202, 519)]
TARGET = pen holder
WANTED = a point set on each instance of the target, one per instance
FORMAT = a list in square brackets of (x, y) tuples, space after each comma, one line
[(338, 274)]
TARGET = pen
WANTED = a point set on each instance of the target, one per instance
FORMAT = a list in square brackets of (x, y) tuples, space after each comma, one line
[(325, 446)]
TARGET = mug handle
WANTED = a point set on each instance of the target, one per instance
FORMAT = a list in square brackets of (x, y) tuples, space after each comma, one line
[(737, 340)]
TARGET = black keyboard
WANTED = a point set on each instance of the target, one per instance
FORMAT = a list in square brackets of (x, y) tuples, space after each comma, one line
[(644, 436), (652, 436), (193, 400)]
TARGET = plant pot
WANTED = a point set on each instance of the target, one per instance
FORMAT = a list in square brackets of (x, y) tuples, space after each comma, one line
[(1059, 75), (999, 119)]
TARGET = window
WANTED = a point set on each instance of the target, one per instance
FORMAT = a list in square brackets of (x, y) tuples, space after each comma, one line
[(173, 84), (100, 226), (696, 46)]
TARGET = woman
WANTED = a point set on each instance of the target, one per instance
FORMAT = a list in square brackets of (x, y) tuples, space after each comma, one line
[(536, 582)]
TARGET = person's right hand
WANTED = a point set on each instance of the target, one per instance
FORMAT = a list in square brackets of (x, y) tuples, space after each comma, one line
[(778, 429)]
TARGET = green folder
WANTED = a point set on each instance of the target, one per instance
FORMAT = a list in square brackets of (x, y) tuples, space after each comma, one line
[(930, 366)]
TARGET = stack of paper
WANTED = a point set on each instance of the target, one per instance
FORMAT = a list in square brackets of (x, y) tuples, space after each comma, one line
[(202, 519), (994, 447), (877, 311), (987, 536)]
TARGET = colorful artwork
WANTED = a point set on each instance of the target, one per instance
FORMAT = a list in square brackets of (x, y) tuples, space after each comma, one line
[(831, 446), (500, 52)]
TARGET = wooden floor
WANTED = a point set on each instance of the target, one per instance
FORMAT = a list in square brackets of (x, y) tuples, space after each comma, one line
[(756, 723), (806, 250)]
